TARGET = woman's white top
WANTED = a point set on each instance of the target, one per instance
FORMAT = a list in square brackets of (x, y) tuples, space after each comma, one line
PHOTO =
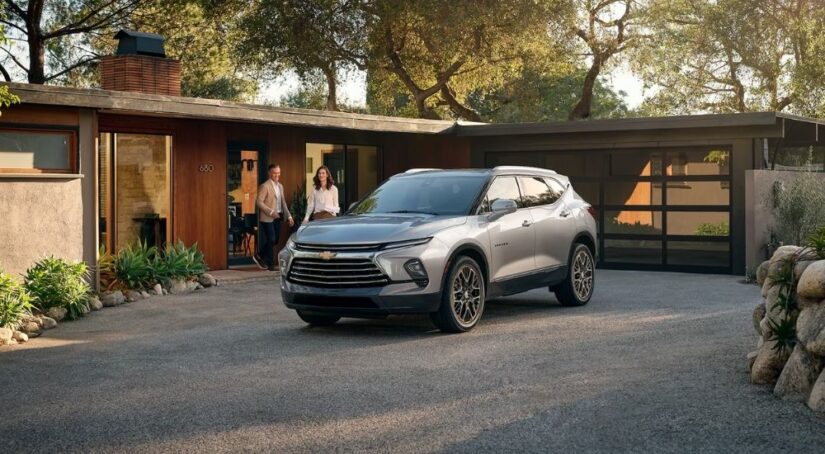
[(322, 200)]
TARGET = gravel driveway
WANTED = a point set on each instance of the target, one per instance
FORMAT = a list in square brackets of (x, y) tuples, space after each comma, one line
[(656, 362)]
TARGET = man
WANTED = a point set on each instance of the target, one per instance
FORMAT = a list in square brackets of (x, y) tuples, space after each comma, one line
[(272, 207)]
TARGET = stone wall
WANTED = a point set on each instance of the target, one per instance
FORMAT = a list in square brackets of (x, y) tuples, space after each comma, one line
[(40, 217), (795, 368)]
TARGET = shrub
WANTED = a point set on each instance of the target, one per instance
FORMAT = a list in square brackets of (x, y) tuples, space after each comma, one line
[(54, 282), (140, 266), (720, 229), (298, 207), (816, 242), (798, 206), (179, 262), (15, 301), (133, 266)]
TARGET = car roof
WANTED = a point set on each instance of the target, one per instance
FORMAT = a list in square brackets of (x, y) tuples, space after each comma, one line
[(500, 170)]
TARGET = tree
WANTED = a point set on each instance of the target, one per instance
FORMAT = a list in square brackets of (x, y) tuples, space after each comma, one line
[(735, 56), (56, 34), (606, 28), (311, 37), (436, 52), (7, 98)]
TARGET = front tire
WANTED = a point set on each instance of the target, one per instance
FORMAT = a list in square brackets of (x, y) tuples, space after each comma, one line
[(462, 301), (318, 319), (577, 288)]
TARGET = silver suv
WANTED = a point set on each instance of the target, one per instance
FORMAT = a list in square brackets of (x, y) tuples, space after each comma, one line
[(442, 242)]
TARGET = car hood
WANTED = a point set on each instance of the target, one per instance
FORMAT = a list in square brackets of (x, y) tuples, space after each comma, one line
[(374, 228)]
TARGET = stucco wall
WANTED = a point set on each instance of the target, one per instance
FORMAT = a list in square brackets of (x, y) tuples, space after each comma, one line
[(40, 217)]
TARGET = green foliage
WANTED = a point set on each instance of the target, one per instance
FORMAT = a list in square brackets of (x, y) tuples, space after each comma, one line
[(798, 207), (711, 229), (140, 266), (298, 206), (784, 333), (615, 226), (816, 241), (15, 301), (54, 282), (133, 266), (179, 262)]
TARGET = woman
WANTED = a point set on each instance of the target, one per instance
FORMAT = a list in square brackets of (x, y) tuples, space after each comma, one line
[(322, 203)]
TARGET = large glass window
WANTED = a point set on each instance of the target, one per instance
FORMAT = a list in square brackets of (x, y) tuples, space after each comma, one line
[(354, 168), (620, 192), (135, 196), (37, 151)]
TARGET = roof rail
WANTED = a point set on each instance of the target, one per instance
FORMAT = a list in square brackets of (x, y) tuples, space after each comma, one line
[(522, 169), (419, 170)]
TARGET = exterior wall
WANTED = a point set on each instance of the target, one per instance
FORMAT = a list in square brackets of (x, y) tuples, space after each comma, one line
[(140, 73), (48, 214)]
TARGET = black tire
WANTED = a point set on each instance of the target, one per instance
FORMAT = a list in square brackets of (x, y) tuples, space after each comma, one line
[(465, 281), (318, 319), (577, 287)]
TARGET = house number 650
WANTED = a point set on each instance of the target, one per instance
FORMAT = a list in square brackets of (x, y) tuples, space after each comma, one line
[(207, 168)]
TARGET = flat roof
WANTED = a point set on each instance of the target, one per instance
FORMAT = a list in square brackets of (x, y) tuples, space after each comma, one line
[(121, 102)]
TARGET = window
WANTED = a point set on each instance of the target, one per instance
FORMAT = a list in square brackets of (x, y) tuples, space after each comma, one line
[(354, 169), (537, 192), (504, 188), (436, 194), (30, 151)]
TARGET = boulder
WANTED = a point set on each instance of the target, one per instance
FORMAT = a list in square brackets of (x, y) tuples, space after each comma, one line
[(782, 252), (6, 335), (84, 309), (768, 363), (752, 358), (191, 286), (773, 311), (57, 313), (207, 280), (762, 272), (48, 322), (132, 296), (798, 375), (816, 401), (31, 327), (800, 268), (810, 328), (758, 315), (113, 298), (178, 286), (31, 318), (95, 304), (144, 294), (20, 337), (165, 292), (812, 283), (198, 286), (156, 290)]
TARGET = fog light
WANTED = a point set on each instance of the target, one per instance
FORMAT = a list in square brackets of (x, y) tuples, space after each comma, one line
[(417, 272)]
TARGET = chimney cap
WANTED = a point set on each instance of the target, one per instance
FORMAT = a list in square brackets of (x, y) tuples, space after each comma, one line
[(139, 43)]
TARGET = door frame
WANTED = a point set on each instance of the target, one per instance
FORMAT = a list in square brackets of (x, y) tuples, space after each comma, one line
[(262, 147)]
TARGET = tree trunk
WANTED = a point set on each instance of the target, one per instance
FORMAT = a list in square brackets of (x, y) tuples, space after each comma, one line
[(332, 89), (581, 111), (423, 110), (457, 108), (37, 48)]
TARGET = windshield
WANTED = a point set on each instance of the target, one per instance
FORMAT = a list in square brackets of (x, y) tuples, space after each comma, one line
[(436, 194)]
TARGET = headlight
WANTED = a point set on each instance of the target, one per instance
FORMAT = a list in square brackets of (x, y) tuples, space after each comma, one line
[(407, 243)]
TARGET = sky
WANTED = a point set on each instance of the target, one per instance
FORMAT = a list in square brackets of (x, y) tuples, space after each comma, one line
[(353, 88)]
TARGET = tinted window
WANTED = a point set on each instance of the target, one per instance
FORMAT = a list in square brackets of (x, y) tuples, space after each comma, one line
[(503, 188), (537, 191), (439, 194)]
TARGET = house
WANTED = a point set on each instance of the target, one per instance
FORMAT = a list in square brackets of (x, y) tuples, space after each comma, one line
[(82, 169)]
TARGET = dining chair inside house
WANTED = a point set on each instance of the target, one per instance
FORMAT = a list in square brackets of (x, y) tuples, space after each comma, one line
[(250, 231)]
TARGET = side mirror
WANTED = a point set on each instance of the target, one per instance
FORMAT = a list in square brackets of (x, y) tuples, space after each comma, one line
[(502, 207)]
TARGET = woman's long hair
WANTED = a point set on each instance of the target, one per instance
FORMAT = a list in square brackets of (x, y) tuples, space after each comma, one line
[(317, 180)]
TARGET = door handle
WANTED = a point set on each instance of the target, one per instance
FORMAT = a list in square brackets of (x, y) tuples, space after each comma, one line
[(526, 223), (564, 213)]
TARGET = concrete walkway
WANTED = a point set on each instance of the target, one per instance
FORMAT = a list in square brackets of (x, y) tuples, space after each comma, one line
[(655, 363)]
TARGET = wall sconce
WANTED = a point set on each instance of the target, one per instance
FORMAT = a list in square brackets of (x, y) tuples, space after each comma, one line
[(250, 164)]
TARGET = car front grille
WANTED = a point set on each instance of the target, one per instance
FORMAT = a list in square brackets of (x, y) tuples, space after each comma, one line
[(336, 273), (369, 247)]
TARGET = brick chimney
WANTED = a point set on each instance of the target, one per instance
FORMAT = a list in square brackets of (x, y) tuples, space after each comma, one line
[(140, 65)]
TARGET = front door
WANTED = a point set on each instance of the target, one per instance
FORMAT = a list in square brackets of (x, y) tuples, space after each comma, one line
[(245, 170), (512, 236)]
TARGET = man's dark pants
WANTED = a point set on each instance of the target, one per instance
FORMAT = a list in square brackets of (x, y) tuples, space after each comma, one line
[(269, 239)]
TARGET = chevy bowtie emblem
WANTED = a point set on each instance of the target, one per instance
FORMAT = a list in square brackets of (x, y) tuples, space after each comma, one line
[(327, 255)]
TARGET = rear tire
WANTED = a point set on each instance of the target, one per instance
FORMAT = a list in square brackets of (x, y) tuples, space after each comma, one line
[(577, 287), (462, 300), (318, 319)]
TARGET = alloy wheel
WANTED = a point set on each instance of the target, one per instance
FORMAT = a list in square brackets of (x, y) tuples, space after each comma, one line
[(583, 275), (465, 298)]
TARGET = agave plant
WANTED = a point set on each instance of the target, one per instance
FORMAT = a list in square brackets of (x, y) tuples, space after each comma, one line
[(180, 262), (15, 301), (54, 282), (133, 266)]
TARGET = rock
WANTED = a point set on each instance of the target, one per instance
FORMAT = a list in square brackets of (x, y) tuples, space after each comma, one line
[(165, 292), (810, 328), (773, 312), (132, 296), (85, 309), (57, 313), (178, 286), (31, 327), (765, 328), (199, 286), (113, 298), (766, 287), (800, 268), (752, 358), (31, 318), (6, 335), (95, 304), (191, 286), (768, 363), (144, 294), (48, 322), (812, 283), (758, 315), (207, 280), (816, 401), (782, 252), (20, 337), (798, 375), (157, 290), (762, 272)]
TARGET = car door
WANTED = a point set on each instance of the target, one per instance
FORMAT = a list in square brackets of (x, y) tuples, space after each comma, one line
[(554, 224), (512, 236)]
